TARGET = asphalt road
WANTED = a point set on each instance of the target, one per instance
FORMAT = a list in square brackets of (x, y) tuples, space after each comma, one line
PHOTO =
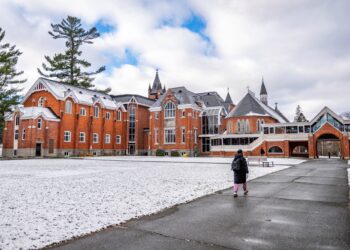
[(303, 207)]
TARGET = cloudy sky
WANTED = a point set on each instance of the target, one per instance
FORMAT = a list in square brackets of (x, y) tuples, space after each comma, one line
[(301, 48)]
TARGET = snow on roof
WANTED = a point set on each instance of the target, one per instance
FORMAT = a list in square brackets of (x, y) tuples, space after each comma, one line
[(81, 95), (33, 113), (250, 105)]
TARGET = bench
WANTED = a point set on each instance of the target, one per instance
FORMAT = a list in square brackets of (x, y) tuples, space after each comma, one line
[(260, 161)]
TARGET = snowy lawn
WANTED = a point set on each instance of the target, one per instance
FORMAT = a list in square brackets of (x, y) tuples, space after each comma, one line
[(44, 201)]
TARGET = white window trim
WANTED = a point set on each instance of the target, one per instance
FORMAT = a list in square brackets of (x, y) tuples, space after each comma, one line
[(166, 110), (40, 121), (167, 129), (82, 133), (118, 140), (195, 132), (23, 134), (119, 115), (71, 107), (183, 135), (156, 136), (93, 138), (109, 138), (98, 111), (82, 113), (108, 115), (64, 136)]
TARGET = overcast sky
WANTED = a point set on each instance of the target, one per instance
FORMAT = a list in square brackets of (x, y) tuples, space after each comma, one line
[(301, 48)]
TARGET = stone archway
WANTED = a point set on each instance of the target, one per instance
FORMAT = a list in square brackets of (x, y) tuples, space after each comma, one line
[(328, 145)]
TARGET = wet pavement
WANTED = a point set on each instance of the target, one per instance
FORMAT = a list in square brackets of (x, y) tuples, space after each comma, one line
[(303, 207)]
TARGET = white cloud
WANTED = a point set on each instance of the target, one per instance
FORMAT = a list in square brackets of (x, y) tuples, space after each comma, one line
[(301, 47)]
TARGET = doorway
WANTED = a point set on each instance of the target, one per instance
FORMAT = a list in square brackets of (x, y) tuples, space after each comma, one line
[(132, 149), (38, 150), (328, 145)]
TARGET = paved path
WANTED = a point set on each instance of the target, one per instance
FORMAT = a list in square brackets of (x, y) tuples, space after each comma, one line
[(303, 207)]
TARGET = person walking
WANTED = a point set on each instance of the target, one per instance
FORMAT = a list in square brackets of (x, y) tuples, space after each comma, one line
[(240, 170)]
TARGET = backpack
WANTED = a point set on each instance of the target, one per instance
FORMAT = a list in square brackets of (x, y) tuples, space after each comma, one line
[(235, 165)]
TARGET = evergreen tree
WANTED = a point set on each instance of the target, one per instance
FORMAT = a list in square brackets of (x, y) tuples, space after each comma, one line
[(68, 67), (299, 116), (8, 78)]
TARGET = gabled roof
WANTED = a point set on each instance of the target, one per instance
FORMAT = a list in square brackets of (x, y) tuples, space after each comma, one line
[(328, 110), (183, 96), (139, 99), (33, 113), (250, 106), (62, 91), (228, 98)]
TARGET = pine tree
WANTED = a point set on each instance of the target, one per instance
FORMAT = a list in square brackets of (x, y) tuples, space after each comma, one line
[(68, 67), (299, 116), (8, 78)]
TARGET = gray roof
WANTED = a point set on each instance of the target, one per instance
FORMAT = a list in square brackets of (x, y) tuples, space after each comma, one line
[(250, 105), (157, 85), (140, 99), (228, 98), (183, 96), (263, 88)]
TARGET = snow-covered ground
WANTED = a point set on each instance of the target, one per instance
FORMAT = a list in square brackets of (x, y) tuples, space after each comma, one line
[(211, 160), (44, 201)]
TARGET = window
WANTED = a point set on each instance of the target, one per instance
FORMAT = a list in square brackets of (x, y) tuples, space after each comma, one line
[(119, 115), (81, 137), (157, 116), (258, 126), (41, 102), (108, 138), (169, 110), (23, 134), (68, 107), (17, 120), (247, 127), (156, 136), (242, 126), (169, 135), (67, 136), (118, 139), (183, 113), (132, 122), (82, 111), (183, 135), (95, 138), (195, 135), (229, 127), (16, 134), (40, 123), (238, 126), (108, 115), (96, 111), (275, 150)]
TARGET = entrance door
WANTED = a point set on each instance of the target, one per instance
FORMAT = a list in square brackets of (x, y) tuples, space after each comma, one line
[(131, 149), (328, 145), (38, 150)]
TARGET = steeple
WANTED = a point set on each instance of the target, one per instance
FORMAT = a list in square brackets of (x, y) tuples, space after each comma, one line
[(156, 91), (228, 97), (263, 93)]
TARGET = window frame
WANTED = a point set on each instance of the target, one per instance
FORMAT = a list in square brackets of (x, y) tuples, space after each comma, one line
[(107, 136), (118, 140), (96, 111), (80, 137), (39, 123), (170, 110), (168, 136), (82, 111), (67, 136), (70, 107), (95, 136)]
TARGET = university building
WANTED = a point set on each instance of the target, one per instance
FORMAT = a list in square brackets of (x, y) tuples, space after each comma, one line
[(58, 120)]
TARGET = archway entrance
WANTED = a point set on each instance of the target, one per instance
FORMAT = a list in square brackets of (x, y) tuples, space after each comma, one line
[(299, 149), (328, 145)]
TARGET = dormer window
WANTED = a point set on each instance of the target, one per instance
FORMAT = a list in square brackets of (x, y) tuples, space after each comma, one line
[(41, 102), (68, 107), (169, 110)]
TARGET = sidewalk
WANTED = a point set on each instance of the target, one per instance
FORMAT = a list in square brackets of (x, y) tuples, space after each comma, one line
[(303, 207)]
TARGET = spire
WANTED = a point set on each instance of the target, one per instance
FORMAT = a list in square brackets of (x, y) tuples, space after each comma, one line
[(149, 87), (164, 89), (263, 88), (228, 97), (156, 83)]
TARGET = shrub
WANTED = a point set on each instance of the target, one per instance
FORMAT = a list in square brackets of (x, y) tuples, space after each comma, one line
[(160, 152), (174, 154)]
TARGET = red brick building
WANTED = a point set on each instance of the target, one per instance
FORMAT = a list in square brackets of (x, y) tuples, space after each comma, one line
[(57, 120)]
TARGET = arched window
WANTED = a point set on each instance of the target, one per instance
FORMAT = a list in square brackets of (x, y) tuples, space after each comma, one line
[(169, 110), (247, 127), (96, 111), (16, 120), (41, 102), (68, 107), (238, 126), (229, 127), (275, 150), (242, 126)]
